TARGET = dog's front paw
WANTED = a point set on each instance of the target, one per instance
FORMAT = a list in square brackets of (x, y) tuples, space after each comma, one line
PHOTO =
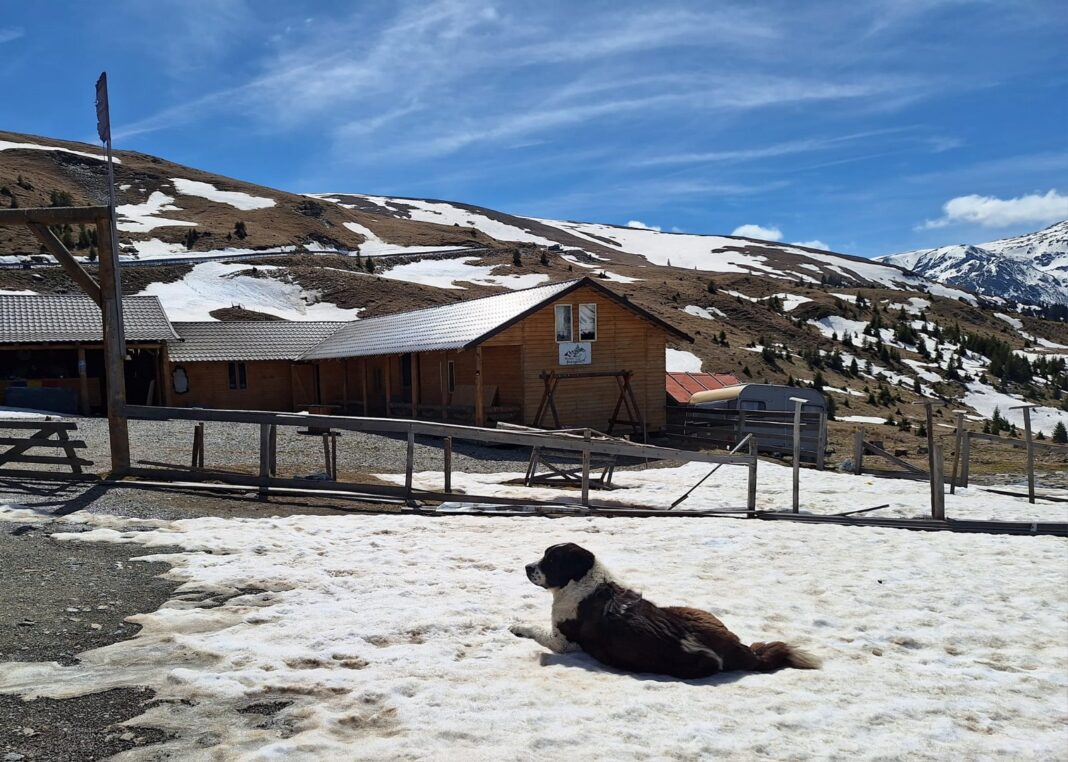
[(523, 631)]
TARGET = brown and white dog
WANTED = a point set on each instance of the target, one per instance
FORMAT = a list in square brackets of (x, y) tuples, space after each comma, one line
[(616, 626)]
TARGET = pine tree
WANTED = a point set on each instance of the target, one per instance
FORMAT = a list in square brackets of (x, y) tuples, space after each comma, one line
[(1060, 433)]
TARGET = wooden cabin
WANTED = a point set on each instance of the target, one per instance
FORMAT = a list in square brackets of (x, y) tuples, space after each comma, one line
[(570, 354), (244, 365), (52, 351)]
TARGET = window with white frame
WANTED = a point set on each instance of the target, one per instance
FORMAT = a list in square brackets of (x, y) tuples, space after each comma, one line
[(587, 322), (564, 331)]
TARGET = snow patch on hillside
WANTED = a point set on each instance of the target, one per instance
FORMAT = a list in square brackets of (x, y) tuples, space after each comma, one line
[(373, 246), (7, 145), (141, 218), (216, 285), (448, 273), (238, 200), (985, 398), (703, 312)]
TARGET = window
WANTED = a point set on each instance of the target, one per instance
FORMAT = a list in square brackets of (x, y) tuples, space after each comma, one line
[(753, 405), (452, 376), (238, 379), (563, 323), (587, 322)]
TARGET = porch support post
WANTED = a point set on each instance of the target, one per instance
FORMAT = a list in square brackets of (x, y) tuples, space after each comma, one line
[(480, 404)]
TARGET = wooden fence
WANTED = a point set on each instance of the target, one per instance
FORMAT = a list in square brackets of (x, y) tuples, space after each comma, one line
[(964, 445), (267, 477), (773, 429)]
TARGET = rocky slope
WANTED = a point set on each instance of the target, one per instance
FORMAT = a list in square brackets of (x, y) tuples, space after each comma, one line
[(1030, 268)]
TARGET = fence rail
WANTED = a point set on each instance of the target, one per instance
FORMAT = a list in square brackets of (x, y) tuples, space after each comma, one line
[(578, 442)]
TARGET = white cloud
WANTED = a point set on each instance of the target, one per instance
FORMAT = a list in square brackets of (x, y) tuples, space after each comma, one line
[(813, 244), (991, 212), (757, 231), (642, 226), (11, 33)]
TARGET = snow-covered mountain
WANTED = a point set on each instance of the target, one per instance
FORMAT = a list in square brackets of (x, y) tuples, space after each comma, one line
[(1028, 268)]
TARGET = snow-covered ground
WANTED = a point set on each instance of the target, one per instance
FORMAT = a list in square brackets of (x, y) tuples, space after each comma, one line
[(681, 361), (215, 285), (985, 398), (389, 637), (236, 199), (861, 419), (448, 273), (9, 413), (7, 145), (708, 313), (374, 246), (143, 217)]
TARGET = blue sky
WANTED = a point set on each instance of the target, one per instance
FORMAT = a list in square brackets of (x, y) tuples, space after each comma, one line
[(872, 127)]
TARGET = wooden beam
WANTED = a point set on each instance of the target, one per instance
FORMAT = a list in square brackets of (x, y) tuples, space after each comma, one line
[(114, 346), (415, 384), (345, 386), (389, 384), (67, 262), (58, 215), (363, 379), (480, 404)]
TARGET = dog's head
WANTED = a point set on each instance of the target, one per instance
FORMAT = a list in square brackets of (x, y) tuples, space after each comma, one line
[(560, 565)]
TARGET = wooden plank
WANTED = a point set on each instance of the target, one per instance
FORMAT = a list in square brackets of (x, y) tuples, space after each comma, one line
[(66, 260), (44, 442), (265, 457), (858, 452), (114, 346), (416, 370), (72, 456), (797, 454), (40, 425), (57, 215), (966, 458), (56, 460), (1048, 447), (363, 382), (1030, 456), (586, 469), (389, 384), (958, 435), (874, 450)]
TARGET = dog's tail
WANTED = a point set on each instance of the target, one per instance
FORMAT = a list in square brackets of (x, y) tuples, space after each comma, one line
[(777, 655)]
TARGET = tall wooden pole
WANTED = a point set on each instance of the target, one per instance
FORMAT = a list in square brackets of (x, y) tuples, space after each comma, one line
[(114, 350), (957, 444)]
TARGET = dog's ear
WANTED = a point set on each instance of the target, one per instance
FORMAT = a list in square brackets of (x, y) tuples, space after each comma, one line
[(566, 563)]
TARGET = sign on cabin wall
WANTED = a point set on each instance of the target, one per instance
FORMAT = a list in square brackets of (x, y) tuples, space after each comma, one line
[(576, 353)]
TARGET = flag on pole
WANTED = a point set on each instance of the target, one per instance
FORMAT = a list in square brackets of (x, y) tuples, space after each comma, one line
[(103, 121)]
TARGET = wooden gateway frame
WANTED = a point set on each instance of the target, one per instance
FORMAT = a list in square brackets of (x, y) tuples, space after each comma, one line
[(107, 293), (625, 400)]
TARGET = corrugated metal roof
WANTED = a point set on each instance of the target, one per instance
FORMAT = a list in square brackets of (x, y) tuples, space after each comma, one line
[(247, 340), (682, 386), (66, 318), (451, 326)]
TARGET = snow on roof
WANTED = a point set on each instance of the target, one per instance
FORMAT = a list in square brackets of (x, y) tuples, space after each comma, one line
[(55, 318)]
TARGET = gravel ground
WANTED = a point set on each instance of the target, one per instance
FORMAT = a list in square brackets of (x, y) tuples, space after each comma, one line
[(58, 599)]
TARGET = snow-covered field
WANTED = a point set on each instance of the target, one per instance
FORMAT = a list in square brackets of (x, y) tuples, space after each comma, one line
[(389, 636), (236, 199), (449, 273), (215, 285)]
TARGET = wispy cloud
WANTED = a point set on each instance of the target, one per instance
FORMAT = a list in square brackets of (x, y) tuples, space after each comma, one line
[(7, 34), (991, 212)]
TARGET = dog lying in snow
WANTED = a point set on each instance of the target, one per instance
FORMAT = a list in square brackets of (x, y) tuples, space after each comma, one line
[(618, 627)]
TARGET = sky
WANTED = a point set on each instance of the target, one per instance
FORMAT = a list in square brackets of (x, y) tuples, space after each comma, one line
[(865, 127)]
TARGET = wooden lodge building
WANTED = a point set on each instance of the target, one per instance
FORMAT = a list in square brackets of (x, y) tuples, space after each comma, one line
[(569, 354), (52, 351)]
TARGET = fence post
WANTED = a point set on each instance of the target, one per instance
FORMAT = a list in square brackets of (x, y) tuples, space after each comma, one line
[(858, 451), (966, 458), (409, 464), (821, 444), (265, 458), (750, 499), (586, 468), (1030, 450), (797, 451), (274, 450), (938, 486), (957, 441), (448, 465)]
